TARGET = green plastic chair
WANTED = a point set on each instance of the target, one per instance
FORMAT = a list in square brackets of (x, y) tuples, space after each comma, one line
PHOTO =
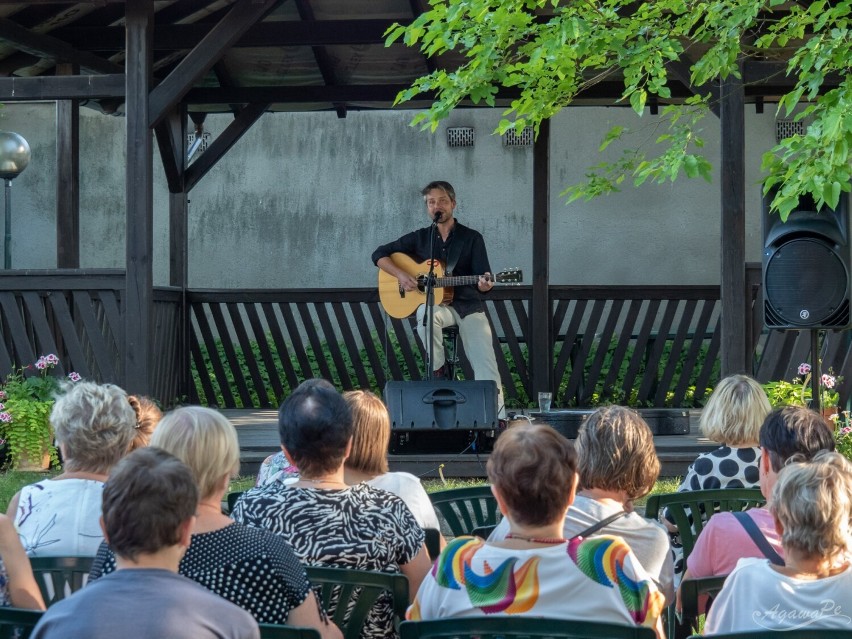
[(274, 631), (232, 500), (691, 590), (18, 623), (359, 589), (464, 510), (690, 510), (521, 627), (58, 577)]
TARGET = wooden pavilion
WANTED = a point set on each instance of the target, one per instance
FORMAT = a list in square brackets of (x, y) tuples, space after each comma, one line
[(164, 63)]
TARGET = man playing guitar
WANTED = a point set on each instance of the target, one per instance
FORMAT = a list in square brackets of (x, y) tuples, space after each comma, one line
[(463, 252)]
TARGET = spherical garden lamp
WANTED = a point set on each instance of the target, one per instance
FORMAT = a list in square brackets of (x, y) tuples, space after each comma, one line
[(14, 158)]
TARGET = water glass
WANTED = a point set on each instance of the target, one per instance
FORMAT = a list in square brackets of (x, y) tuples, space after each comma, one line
[(544, 400)]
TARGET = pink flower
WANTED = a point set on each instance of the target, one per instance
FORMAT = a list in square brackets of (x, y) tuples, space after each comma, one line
[(41, 364), (74, 377), (846, 430), (3, 394), (828, 381), (51, 359), (2, 406), (5, 417), (804, 368)]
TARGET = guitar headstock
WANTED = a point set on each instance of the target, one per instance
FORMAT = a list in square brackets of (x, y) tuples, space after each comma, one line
[(509, 276)]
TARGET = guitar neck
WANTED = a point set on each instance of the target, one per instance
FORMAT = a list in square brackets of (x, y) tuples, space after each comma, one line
[(460, 280)]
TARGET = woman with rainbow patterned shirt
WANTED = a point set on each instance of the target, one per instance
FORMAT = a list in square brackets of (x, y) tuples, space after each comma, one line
[(534, 571)]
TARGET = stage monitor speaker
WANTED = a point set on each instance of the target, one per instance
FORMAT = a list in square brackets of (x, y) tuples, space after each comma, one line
[(806, 270), (442, 405)]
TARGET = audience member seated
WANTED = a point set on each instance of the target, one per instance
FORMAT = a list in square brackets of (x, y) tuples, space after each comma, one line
[(18, 587), (275, 467), (149, 504), (617, 464), (534, 571), (94, 425), (787, 432), (148, 415), (368, 460), (250, 567), (327, 522), (732, 417), (812, 508)]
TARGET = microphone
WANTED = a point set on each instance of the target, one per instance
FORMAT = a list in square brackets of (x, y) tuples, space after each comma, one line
[(437, 217)]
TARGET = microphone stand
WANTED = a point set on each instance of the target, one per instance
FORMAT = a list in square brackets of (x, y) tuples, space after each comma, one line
[(429, 315)]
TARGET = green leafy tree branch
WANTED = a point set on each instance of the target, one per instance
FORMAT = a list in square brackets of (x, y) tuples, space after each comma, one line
[(548, 52)]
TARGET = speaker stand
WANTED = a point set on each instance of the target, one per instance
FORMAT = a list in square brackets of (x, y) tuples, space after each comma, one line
[(816, 372)]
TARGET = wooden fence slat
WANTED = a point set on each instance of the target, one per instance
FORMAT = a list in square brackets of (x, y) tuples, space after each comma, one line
[(35, 311), (209, 398), (366, 337), (333, 346), (578, 368), (408, 356), (633, 308), (379, 321), (265, 351), (698, 339), (85, 313), (239, 380), (655, 353), (209, 342), (568, 352), (709, 361), (15, 326), (248, 355), (296, 341), (62, 315), (640, 344), (603, 345), (515, 351), (280, 346), (314, 340), (677, 348), (351, 343)]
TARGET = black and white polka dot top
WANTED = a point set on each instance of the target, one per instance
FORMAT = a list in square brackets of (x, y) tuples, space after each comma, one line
[(250, 567), (724, 467)]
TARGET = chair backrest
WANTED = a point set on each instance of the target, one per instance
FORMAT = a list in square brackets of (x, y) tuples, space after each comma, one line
[(690, 510), (58, 577), (348, 595), (465, 509), (520, 626), (274, 631), (18, 622), (232, 500), (433, 542), (691, 590), (483, 531)]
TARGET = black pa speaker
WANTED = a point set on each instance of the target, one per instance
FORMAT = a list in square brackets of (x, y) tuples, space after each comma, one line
[(442, 405), (806, 269)]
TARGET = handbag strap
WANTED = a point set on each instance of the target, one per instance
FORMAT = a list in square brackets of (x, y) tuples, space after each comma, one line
[(758, 538), (588, 532)]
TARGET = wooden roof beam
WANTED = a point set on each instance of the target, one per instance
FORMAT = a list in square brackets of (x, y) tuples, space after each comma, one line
[(201, 59), (45, 46), (68, 87)]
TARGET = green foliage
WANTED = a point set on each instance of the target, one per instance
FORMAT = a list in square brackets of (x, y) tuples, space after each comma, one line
[(797, 392), (843, 435), (27, 400), (549, 52)]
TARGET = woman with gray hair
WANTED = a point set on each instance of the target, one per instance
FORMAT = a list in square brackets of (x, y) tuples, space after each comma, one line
[(93, 425), (812, 507)]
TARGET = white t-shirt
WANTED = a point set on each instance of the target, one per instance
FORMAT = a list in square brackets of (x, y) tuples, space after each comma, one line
[(646, 538), (756, 597), (597, 578), (411, 491)]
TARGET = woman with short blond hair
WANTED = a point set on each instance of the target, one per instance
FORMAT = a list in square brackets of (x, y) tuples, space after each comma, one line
[(812, 507)]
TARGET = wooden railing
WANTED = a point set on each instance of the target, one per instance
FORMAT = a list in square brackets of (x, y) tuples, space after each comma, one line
[(647, 346)]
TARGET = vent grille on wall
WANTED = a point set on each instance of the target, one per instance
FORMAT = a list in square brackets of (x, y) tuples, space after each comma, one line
[(205, 141), (459, 136), (525, 138), (788, 128)]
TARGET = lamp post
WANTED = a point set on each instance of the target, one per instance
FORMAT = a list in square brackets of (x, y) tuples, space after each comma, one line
[(14, 158)]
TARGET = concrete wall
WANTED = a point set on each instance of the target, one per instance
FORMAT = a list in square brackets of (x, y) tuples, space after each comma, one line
[(304, 198)]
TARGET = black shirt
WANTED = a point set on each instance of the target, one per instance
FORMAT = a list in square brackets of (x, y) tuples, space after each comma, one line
[(464, 251)]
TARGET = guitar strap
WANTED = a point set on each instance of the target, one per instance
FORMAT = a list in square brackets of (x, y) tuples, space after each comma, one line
[(453, 255)]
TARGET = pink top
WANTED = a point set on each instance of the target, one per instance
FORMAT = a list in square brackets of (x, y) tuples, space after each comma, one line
[(724, 541)]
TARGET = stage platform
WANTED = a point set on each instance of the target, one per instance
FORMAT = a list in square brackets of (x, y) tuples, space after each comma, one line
[(258, 434)]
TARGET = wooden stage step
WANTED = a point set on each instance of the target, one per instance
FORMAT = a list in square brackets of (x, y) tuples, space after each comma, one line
[(258, 435)]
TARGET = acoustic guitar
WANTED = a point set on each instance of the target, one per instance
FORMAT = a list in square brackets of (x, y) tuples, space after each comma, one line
[(400, 303)]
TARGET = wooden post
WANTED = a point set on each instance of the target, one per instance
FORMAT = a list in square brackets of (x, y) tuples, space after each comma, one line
[(541, 325), (67, 177), (139, 294), (734, 358)]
